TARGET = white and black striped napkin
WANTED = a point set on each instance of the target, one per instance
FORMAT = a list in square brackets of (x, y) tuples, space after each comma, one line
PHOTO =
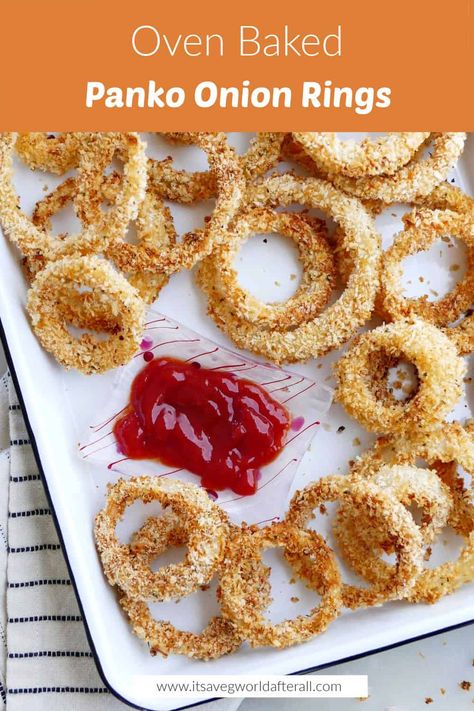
[(46, 662)]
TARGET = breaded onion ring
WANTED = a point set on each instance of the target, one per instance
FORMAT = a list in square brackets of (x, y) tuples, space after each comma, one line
[(447, 197), (409, 485), (383, 155), (440, 373), (202, 522), (111, 226), (43, 151), (449, 445), (219, 637), (340, 320), (154, 227), (53, 289), (239, 593), (386, 516), (198, 244), (318, 280), (416, 179), (186, 187), (422, 228)]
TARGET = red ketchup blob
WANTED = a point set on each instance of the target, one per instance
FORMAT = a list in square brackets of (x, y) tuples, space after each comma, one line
[(211, 423)]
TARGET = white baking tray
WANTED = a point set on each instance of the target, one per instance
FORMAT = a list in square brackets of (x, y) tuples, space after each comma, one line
[(59, 403)]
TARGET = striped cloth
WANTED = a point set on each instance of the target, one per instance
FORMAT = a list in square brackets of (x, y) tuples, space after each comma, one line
[(46, 662)]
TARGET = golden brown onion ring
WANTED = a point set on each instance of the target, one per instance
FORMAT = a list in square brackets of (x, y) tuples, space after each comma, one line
[(416, 179), (96, 237), (52, 291), (239, 593), (443, 449), (186, 187), (384, 155), (422, 228), (45, 151), (340, 320), (440, 373), (310, 236), (201, 520), (198, 244), (219, 637), (385, 515), (154, 227)]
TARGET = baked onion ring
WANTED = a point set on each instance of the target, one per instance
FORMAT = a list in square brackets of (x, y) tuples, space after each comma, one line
[(416, 179), (95, 237), (340, 320), (440, 372), (384, 155), (219, 637), (239, 593), (202, 522), (386, 515), (409, 485), (198, 244), (449, 445), (154, 227), (422, 228), (45, 151), (318, 280), (52, 291), (186, 187)]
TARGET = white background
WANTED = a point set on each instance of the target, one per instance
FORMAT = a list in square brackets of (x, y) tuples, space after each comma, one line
[(400, 679)]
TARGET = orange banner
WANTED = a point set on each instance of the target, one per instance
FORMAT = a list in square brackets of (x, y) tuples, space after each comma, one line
[(111, 65)]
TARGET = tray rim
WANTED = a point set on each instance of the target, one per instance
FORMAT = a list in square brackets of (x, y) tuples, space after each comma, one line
[(118, 695)]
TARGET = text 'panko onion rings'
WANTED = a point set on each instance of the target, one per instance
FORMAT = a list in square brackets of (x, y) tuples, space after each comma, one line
[(201, 520), (422, 228), (43, 151), (340, 320), (93, 238), (385, 514), (186, 187), (219, 637), (198, 244), (416, 179), (449, 445), (51, 293), (309, 557), (153, 226), (383, 155), (440, 372), (315, 255)]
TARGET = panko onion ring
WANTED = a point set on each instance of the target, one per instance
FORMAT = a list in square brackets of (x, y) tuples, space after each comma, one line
[(440, 373), (385, 514), (448, 445), (198, 244), (409, 485), (51, 292), (384, 155), (315, 255), (186, 187), (422, 228), (340, 320), (153, 224), (43, 151), (239, 593), (219, 637), (202, 522), (111, 226), (416, 179)]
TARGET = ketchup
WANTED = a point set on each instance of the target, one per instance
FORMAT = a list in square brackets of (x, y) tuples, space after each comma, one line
[(210, 422)]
